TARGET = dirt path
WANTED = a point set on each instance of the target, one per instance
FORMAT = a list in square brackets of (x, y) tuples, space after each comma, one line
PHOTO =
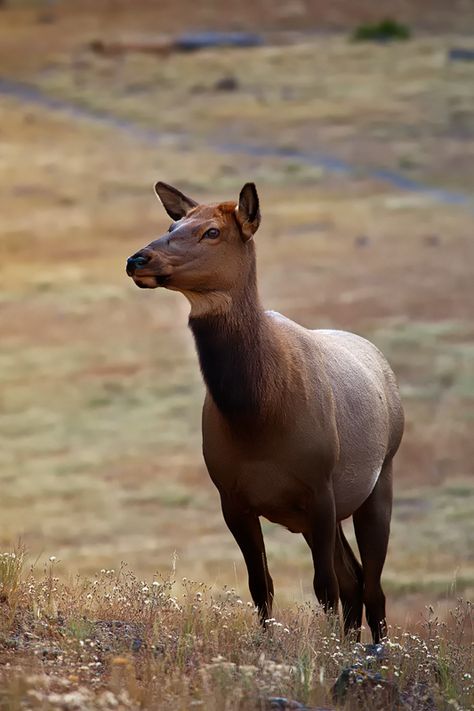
[(331, 163)]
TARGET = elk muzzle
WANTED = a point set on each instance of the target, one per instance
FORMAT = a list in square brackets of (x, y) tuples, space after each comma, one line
[(137, 261), (146, 271)]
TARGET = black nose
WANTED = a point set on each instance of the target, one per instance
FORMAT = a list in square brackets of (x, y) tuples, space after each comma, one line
[(137, 261)]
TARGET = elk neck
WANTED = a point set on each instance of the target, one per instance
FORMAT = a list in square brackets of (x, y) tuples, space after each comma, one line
[(239, 354)]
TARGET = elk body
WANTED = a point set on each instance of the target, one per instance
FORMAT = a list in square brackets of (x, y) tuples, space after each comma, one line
[(299, 426)]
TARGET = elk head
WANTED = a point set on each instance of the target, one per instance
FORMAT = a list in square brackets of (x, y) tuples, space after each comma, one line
[(207, 251)]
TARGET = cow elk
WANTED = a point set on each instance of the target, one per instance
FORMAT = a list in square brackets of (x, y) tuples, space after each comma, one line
[(299, 426)]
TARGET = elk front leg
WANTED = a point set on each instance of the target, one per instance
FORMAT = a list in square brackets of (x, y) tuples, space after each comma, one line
[(247, 532), (321, 539)]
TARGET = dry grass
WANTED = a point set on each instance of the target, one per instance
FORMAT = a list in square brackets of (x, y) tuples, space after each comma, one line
[(100, 456), (101, 453), (115, 641), (402, 107)]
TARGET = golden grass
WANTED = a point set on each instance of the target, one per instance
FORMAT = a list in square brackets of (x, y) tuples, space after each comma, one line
[(100, 457), (100, 460), (116, 641), (402, 106)]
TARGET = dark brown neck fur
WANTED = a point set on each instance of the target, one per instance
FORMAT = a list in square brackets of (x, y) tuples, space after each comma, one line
[(237, 355)]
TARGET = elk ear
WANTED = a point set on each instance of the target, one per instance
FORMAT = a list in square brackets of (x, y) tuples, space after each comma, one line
[(248, 211), (176, 204)]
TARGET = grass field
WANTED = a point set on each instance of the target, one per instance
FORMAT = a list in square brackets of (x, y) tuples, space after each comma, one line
[(100, 407), (116, 642)]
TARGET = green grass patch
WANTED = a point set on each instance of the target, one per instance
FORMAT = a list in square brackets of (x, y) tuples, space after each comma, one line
[(387, 30)]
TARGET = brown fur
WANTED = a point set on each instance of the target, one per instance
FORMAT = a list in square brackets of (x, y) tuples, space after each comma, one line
[(299, 426)]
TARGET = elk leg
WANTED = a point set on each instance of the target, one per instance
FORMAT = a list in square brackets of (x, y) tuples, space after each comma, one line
[(247, 532), (372, 529), (350, 579), (322, 540)]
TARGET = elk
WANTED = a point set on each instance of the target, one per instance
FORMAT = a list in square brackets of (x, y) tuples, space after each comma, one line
[(299, 426)]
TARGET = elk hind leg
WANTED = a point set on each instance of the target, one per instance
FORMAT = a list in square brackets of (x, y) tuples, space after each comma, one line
[(372, 529), (350, 578), (321, 540)]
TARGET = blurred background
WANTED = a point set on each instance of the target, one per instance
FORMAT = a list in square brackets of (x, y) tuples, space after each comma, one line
[(356, 121)]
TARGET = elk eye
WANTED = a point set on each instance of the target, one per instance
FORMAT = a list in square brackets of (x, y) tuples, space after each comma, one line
[(212, 233)]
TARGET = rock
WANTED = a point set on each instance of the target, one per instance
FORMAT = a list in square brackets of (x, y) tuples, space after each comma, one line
[(119, 636), (279, 703), (9, 642), (193, 41), (228, 83), (418, 697), (137, 644), (366, 688), (364, 685), (461, 54), (361, 241), (159, 46), (50, 653), (432, 241)]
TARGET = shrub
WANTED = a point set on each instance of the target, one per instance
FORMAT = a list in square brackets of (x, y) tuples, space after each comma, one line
[(384, 31)]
